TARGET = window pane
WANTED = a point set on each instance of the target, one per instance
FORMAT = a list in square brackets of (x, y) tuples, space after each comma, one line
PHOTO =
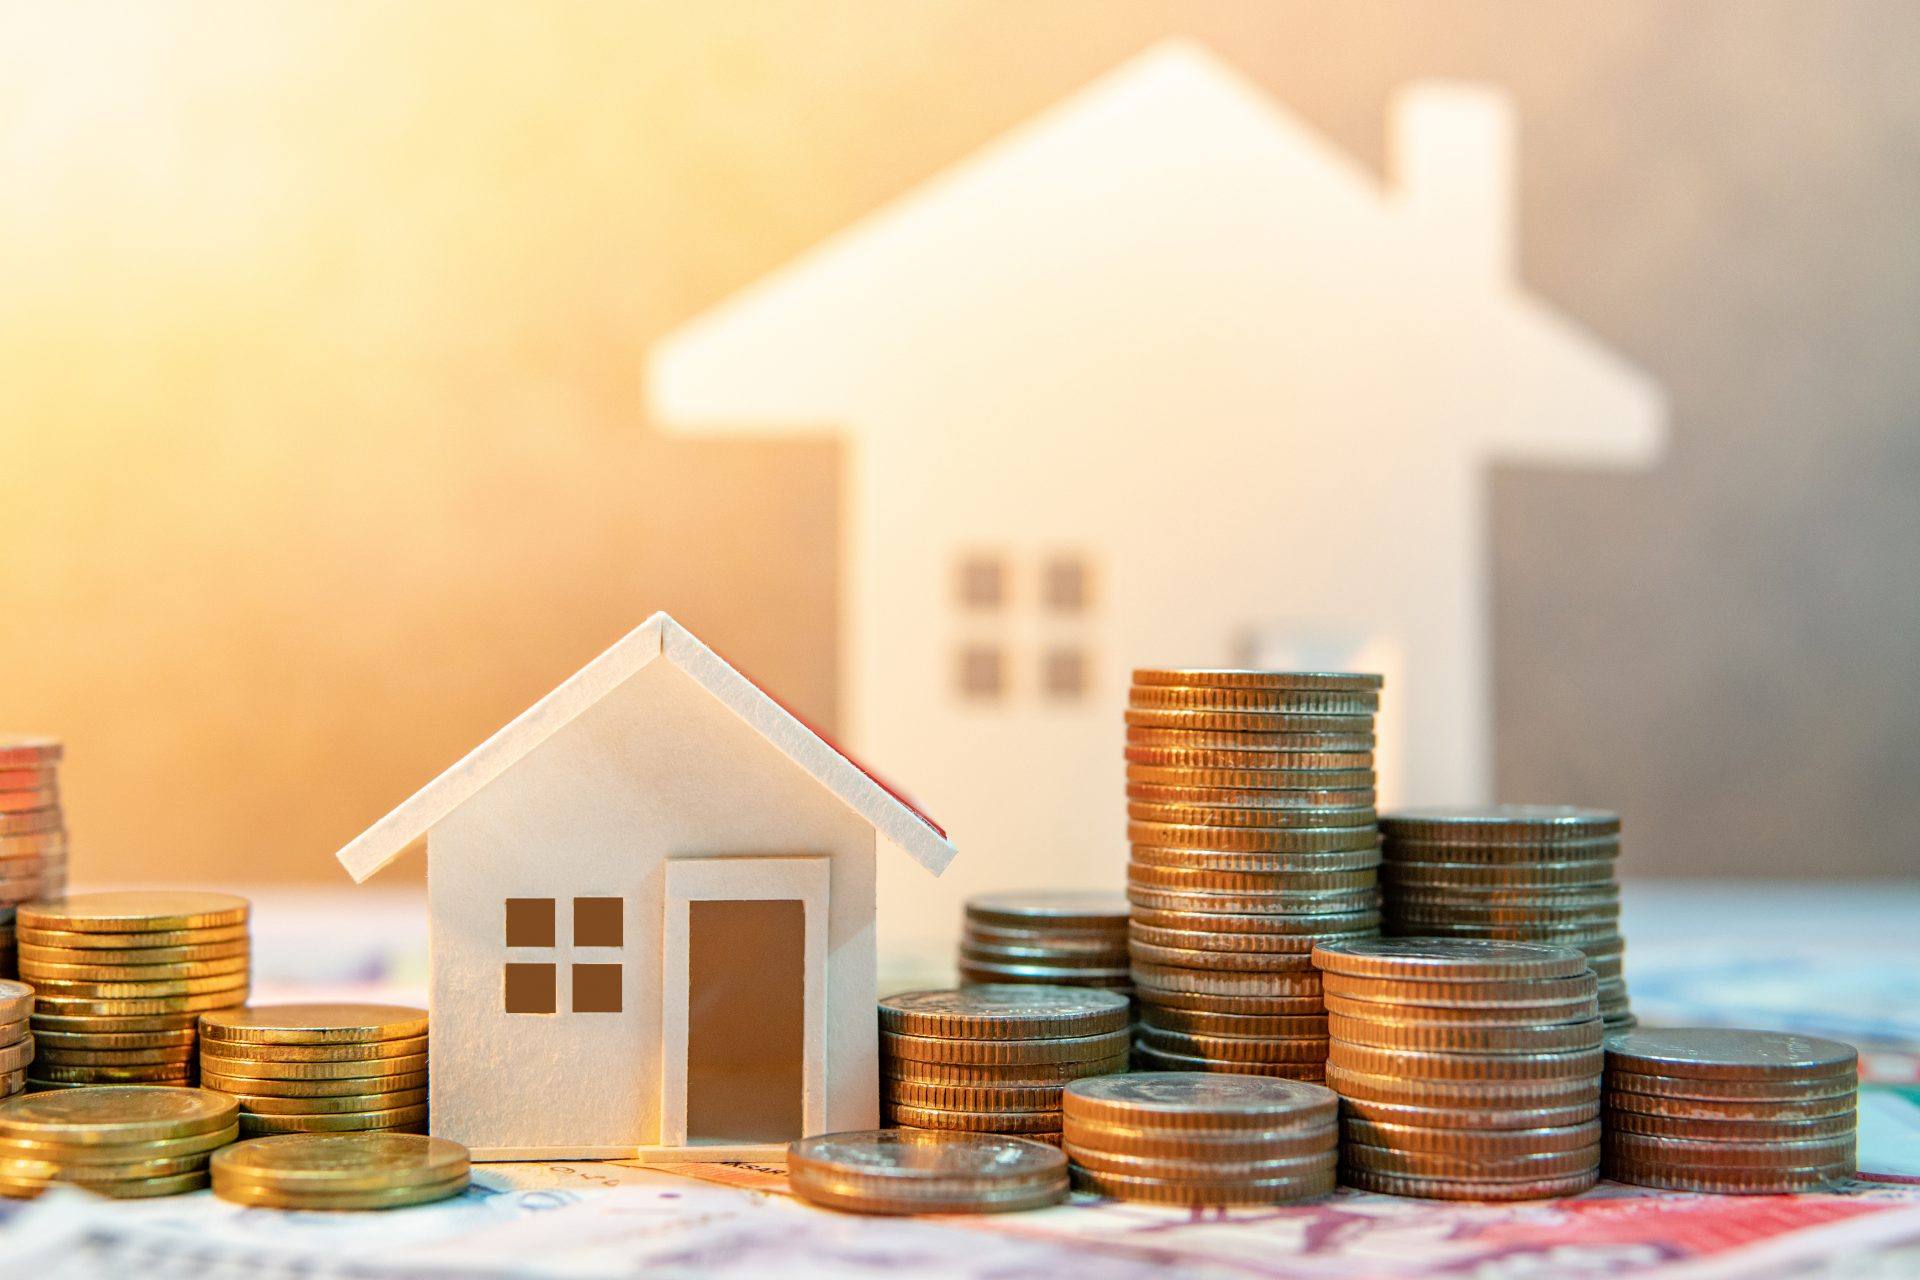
[(983, 582), (1065, 586), (529, 922), (596, 922), (596, 988), (1065, 673), (530, 988), (982, 673)]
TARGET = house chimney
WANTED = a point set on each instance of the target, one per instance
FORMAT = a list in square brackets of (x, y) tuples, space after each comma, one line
[(1453, 163)]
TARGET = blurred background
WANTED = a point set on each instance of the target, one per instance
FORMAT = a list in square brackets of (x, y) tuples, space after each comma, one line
[(324, 328)]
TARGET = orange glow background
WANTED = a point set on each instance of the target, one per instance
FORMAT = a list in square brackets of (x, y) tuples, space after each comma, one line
[(321, 330)]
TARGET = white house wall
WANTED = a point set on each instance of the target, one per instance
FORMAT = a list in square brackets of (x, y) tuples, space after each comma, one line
[(658, 769)]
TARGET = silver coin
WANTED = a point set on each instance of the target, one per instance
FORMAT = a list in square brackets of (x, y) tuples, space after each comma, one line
[(909, 1155), (1720, 1053)]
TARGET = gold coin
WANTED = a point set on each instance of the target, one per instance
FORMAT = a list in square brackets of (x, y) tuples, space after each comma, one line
[(1698, 1153), (1394, 1184), (1264, 962), (116, 1115), (32, 822), (267, 1105), (1475, 1166), (1297, 701), (356, 1068), (1454, 1037), (132, 1188), (1237, 1048), (136, 911), (138, 956), (157, 1149), (37, 971), (1400, 1087), (1812, 1108), (223, 1051), (1236, 798), (1466, 1143), (1293, 935), (1171, 1021), (1009, 1052), (1427, 1064), (1344, 742), (15, 1056), (253, 1124), (16, 1000), (315, 1023), (1451, 1116), (180, 1039), (1119, 1186), (1238, 678), (96, 1024), (87, 1174), (1174, 757), (1220, 839), (55, 1055), (1494, 994), (1152, 1059), (171, 1073), (1331, 818), (958, 1097), (1206, 1167), (338, 1201), (344, 1162), (145, 940), (1206, 1144), (1251, 779), (1149, 977), (1011, 1013), (899, 1113), (54, 989), (25, 752), (1578, 1009), (339, 1088), (110, 1006), (1717, 1129), (962, 1073)]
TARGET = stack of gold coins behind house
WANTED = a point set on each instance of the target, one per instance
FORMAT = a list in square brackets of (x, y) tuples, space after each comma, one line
[(319, 1068), (1740, 1112), (1060, 938), (114, 1140), (1201, 1138), (993, 1059), (120, 981), (1250, 802), (33, 835), (1467, 1070), (340, 1171), (1517, 873), (16, 1040)]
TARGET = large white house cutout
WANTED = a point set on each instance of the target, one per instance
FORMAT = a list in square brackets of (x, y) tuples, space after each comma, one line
[(651, 899), (1160, 377)]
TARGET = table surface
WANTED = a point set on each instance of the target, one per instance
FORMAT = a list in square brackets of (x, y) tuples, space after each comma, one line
[(1838, 960)]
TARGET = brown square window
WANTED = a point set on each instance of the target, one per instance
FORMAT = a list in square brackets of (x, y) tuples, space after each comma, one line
[(596, 988), (596, 922), (530, 988), (1064, 586), (1064, 673), (982, 674), (529, 922), (983, 582)]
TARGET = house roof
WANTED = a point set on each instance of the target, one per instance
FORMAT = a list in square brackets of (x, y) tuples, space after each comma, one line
[(892, 816)]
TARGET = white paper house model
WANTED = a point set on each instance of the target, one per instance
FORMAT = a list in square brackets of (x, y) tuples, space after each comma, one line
[(1159, 376), (651, 901)]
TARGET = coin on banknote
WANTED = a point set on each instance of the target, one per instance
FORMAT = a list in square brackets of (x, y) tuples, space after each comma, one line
[(297, 1165), (110, 1114), (925, 1171)]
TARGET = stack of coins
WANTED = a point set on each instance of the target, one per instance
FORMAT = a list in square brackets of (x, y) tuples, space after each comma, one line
[(1467, 1070), (334, 1171), (1200, 1138), (1061, 938), (1515, 873), (920, 1171), (1250, 804), (120, 980), (319, 1068), (16, 1041), (993, 1059), (1738, 1112), (33, 836), (115, 1140)]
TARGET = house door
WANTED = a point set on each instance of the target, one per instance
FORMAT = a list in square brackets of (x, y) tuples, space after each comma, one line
[(744, 1004)]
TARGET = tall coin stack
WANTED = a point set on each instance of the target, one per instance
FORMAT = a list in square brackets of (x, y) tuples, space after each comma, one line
[(993, 1059), (33, 837), (1467, 1070), (120, 981), (124, 1141), (1060, 938), (1735, 1112), (319, 1068), (1515, 873), (16, 1042), (1251, 816), (1199, 1138)]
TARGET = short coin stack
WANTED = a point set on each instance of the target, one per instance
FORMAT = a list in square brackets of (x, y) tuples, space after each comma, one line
[(1060, 938), (1201, 1138), (120, 980), (16, 1042), (1738, 1112), (115, 1140), (1467, 1070), (1515, 873), (33, 836), (1250, 805), (993, 1059), (335, 1171), (921, 1171), (319, 1068)]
